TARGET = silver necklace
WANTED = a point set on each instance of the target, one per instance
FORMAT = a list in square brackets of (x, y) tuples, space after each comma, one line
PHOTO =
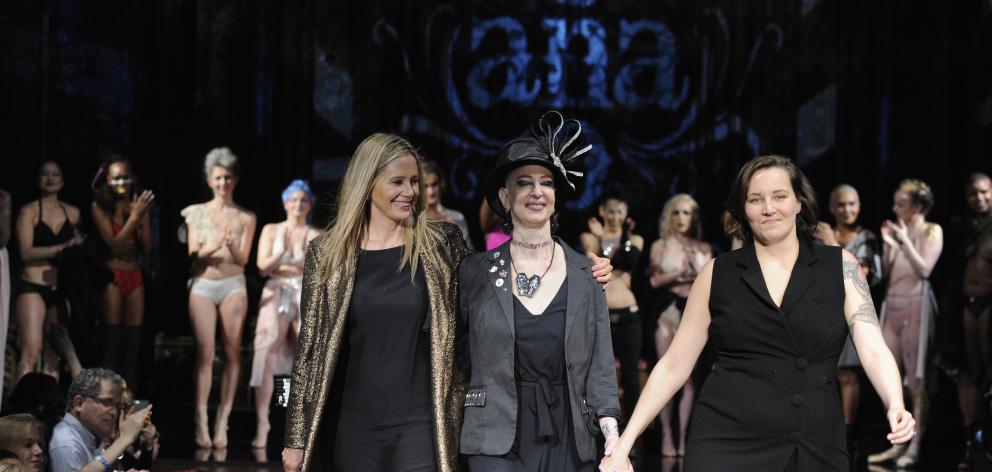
[(527, 286)]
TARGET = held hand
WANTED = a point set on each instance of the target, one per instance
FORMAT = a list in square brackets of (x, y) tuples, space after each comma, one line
[(140, 204), (902, 424), (611, 445), (595, 227), (602, 270), (292, 459), (616, 464)]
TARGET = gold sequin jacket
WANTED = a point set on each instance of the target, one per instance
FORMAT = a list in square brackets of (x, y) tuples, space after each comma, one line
[(324, 310)]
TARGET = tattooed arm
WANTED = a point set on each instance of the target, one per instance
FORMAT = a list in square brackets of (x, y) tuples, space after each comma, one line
[(877, 360)]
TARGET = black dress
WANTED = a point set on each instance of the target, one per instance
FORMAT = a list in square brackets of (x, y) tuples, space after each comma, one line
[(771, 403), (544, 438), (385, 417)]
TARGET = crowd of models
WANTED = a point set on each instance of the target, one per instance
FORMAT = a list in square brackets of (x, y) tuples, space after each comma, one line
[(508, 359)]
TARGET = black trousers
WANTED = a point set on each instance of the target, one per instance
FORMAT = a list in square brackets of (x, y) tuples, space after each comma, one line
[(364, 444), (625, 329)]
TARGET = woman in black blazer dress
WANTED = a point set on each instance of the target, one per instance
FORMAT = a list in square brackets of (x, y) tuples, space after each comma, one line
[(777, 312), (539, 354)]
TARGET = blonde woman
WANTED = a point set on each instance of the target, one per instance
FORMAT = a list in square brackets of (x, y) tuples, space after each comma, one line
[(676, 257), (219, 238), (24, 435), (911, 247), (394, 403)]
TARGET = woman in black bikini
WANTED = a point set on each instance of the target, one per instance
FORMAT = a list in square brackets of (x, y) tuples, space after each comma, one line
[(612, 238), (45, 228)]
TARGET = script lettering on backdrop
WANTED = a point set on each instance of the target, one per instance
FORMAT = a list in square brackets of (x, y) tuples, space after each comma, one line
[(490, 73)]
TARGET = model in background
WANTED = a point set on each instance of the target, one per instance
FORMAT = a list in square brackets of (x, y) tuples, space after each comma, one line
[(45, 228), (676, 258), (282, 249), (609, 237), (120, 216), (845, 206), (434, 185), (911, 248), (219, 237)]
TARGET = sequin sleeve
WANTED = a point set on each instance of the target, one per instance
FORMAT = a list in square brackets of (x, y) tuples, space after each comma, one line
[(457, 247), (198, 221), (304, 363)]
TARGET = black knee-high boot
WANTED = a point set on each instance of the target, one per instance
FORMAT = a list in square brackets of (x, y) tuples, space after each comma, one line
[(111, 346), (131, 341)]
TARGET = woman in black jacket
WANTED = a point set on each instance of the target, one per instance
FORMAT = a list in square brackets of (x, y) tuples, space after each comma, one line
[(540, 357)]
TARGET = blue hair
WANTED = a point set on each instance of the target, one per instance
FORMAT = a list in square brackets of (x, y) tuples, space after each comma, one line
[(299, 185)]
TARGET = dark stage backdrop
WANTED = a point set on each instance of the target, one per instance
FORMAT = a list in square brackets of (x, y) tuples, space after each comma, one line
[(674, 95)]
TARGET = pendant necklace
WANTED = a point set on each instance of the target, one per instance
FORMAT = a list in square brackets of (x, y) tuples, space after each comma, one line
[(527, 286)]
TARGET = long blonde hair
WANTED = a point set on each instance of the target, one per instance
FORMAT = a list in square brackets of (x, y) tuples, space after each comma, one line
[(349, 227), (665, 228)]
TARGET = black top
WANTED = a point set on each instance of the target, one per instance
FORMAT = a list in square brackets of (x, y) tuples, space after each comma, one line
[(541, 339), (43, 234), (388, 367), (771, 395), (623, 257)]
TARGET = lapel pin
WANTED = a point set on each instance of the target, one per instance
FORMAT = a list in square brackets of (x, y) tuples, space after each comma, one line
[(492, 269), (502, 273), (502, 262), (499, 283), (495, 254)]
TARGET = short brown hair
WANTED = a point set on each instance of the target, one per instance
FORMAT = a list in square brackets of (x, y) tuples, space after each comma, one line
[(736, 225)]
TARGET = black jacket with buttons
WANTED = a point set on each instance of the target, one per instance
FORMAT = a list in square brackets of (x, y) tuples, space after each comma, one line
[(487, 353)]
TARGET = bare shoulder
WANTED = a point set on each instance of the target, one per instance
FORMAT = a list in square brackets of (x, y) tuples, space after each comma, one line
[(589, 242), (313, 232), (268, 228), (637, 240), (29, 210), (933, 231), (658, 245), (247, 215)]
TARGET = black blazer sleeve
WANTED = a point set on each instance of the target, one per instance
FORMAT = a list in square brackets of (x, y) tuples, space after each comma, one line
[(601, 385)]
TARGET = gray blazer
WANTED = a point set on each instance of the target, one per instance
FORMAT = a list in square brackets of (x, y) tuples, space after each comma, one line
[(486, 312)]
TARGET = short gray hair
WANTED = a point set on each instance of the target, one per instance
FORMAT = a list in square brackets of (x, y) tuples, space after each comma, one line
[(220, 157), (87, 385)]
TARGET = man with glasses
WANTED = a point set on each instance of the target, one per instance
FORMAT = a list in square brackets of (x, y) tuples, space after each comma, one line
[(92, 413)]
